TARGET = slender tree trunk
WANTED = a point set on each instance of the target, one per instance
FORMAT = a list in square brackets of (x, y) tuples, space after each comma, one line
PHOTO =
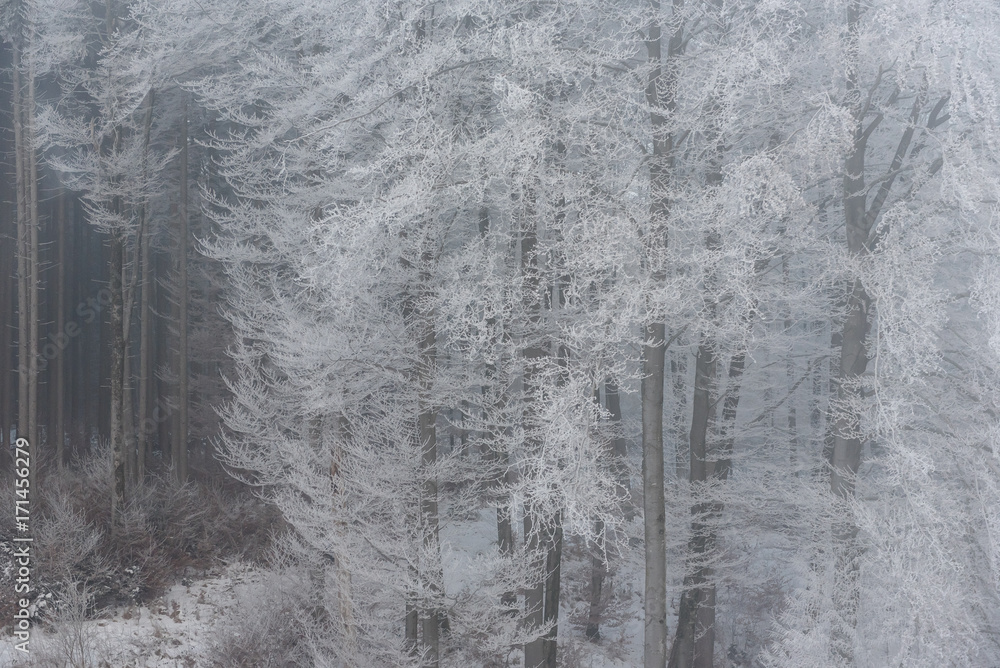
[(7, 307), (495, 453), (33, 263), (145, 429), (793, 428), (145, 423), (23, 306), (678, 429), (345, 600), (103, 338), (598, 565), (181, 437), (598, 571), (619, 452), (128, 409), (411, 625), (317, 570), (846, 453), (553, 579), (117, 378), (433, 613), (543, 534), (60, 366), (495, 439)]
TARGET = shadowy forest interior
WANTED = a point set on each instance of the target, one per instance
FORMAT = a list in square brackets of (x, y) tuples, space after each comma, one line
[(657, 333)]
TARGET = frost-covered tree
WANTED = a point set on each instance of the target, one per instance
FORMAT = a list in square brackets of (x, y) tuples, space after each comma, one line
[(98, 138), (378, 163), (906, 108)]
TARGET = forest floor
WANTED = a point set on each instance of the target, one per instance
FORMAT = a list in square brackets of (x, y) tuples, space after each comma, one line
[(173, 631), (181, 628)]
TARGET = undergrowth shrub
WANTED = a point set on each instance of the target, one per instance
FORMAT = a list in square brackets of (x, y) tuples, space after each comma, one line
[(164, 531), (68, 642), (268, 628)]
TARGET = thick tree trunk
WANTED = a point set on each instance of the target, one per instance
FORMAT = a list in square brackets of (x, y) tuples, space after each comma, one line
[(694, 643), (660, 92), (654, 510), (543, 534), (653, 367)]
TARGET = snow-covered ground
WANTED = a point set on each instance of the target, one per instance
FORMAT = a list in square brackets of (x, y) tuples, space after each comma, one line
[(178, 630), (174, 631)]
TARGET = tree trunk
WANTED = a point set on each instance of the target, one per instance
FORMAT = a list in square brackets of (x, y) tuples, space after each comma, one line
[(7, 307), (494, 448), (411, 626), (678, 423), (128, 409), (181, 436), (27, 216), (597, 574), (619, 467), (694, 643), (23, 305), (62, 336), (433, 614), (619, 452), (553, 575), (145, 331), (117, 378), (33, 272), (146, 425), (660, 92), (345, 600), (654, 511), (846, 455), (539, 537), (793, 430)]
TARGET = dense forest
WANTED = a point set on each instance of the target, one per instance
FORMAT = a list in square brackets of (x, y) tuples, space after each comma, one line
[(526, 333)]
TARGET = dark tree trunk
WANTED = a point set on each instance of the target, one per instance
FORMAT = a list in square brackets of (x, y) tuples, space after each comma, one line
[(61, 335), (181, 436)]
